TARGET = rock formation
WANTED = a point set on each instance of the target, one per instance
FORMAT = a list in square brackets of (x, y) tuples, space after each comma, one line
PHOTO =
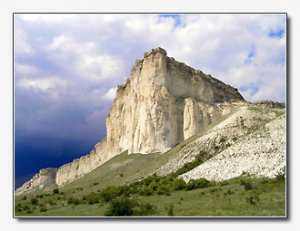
[(163, 103), (45, 178)]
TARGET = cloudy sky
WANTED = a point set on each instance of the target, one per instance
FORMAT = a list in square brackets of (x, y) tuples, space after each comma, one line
[(67, 68)]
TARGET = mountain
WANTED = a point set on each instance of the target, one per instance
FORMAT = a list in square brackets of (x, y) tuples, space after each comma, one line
[(168, 116)]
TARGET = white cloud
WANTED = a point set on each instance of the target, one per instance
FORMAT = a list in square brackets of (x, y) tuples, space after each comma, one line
[(25, 70), (100, 47), (46, 84), (89, 62), (21, 43)]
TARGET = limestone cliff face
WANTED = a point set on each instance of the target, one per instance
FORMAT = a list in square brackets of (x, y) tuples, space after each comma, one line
[(163, 103), (79, 167), (42, 180)]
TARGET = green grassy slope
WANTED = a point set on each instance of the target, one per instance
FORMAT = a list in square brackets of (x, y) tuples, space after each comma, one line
[(231, 198)]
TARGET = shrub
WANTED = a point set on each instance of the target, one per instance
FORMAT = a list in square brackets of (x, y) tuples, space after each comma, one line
[(121, 206), (146, 191), (24, 198), (95, 183), (280, 177), (19, 208), (74, 201), (247, 184), (34, 201), (55, 191), (154, 186), (163, 189), (179, 184), (111, 192), (124, 206), (51, 202), (190, 165), (228, 192), (43, 208), (92, 198), (253, 199), (199, 183), (26, 207)]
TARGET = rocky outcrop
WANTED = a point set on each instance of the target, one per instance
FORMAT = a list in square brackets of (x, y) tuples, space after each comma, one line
[(42, 180), (163, 103)]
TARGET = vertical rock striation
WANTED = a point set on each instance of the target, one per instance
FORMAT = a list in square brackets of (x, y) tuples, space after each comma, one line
[(163, 103)]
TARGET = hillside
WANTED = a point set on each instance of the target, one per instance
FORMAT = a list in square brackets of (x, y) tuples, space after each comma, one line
[(246, 145)]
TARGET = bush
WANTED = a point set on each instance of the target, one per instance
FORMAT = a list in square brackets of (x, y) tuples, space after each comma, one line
[(24, 198), (111, 192), (51, 202), (56, 191), (34, 201), (179, 184), (146, 191), (26, 207), (199, 183), (121, 206), (43, 208), (280, 177), (92, 198), (253, 199), (74, 201), (19, 208), (163, 189), (124, 206), (247, 184)]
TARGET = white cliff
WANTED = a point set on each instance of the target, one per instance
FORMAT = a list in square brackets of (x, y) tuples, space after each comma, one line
[(163, 103)]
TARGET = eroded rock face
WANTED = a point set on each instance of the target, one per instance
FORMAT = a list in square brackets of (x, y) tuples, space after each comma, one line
[(42, 180), (85, 164), (163, 103)]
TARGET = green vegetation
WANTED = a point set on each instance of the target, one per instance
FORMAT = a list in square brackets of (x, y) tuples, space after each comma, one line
[(167, 196), (124, 206)]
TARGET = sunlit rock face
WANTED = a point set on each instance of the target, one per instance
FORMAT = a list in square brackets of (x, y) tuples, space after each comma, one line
[(163, 103), (42, 180)]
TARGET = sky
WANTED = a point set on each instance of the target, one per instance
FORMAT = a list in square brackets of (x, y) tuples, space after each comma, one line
[(67, 67)]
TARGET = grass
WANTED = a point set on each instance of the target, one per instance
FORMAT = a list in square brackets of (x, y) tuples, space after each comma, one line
[(265, 197)]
